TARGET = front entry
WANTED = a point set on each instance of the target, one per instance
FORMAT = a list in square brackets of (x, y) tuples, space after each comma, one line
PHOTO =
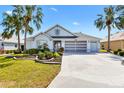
[(56, 45)]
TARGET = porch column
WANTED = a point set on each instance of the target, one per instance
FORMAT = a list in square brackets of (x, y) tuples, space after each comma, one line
[(63, 43), (98, 46), (88, 46)]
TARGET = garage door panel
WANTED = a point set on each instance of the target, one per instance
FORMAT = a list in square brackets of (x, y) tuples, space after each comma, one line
[(77, 46)]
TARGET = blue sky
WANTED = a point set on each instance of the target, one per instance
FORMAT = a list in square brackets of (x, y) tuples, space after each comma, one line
[(75, 18)]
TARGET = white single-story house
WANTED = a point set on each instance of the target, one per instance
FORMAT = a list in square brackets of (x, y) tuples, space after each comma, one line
[(58, 36), (10, 44)]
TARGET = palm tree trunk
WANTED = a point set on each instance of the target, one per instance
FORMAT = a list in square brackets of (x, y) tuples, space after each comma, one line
[(109, 34), (19, 41), (25, 40)]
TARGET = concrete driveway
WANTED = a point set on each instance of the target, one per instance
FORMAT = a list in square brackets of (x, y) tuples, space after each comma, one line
[(90, 71)]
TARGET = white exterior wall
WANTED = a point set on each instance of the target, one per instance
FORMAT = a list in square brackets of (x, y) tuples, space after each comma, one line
[(34, 43), (88, 46), (9, 46), (29, 44), (1, 45), (98, 45)]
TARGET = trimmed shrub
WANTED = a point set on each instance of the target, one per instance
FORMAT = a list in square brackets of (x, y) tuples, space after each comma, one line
[(55, 54), (121, 53), (17, 52), (7, 51), (35, 51), (1, 51), (119, 50), (48, 54), (103, 51), (32, 51), (61, 49), (115, 52), (41, 55), (46, 49)]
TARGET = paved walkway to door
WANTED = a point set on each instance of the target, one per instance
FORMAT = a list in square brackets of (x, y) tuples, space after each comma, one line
[(90, 70)]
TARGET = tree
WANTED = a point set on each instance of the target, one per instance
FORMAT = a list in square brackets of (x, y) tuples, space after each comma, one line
[(31, 15), (120, 18), (107, 20), (12, 24)]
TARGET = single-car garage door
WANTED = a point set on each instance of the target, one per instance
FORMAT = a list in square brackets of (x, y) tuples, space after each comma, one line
[(93, 46), (75, 46)]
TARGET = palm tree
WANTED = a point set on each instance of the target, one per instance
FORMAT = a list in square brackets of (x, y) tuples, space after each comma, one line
[(107, 20), (13, 24), (120, 18), (32, 15)]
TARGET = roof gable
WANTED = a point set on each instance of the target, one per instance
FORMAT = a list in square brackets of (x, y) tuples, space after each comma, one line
[(61, 31)]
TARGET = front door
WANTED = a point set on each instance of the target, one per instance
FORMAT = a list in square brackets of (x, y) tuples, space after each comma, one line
[(57, 45)]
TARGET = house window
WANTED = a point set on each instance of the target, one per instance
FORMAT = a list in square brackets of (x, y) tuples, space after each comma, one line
[(40, 43), (2, 44), (15, 45), (57, 31)]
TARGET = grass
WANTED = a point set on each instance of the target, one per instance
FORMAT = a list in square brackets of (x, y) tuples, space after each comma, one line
[(26, 73)]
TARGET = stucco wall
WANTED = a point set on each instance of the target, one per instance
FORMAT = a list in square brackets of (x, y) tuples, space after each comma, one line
[(33, 43), (115, 45), (10, 46)]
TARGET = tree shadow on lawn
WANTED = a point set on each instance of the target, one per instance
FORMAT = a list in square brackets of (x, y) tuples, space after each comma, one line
[(2, 60), (5, 64)]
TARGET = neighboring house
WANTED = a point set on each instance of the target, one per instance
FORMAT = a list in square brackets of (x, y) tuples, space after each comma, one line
[(117, 41), (57, 37), (10, 44)]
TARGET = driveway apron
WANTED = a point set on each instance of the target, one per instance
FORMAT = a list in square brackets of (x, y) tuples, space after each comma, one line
[(93, 70)]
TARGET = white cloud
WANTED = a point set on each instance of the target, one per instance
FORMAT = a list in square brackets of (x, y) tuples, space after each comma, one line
[(54, 9), (9, 12), (76, 23)]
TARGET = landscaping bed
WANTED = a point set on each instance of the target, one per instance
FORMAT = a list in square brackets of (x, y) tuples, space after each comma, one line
[(119, 52)]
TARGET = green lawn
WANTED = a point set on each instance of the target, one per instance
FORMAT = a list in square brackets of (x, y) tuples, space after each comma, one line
[(26, 73)]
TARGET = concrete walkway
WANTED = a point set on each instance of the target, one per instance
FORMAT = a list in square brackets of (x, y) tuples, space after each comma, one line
[(90, 71)]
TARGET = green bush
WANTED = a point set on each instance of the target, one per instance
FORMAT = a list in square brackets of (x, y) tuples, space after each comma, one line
[(56, 55), (41, 55), (102, 51), (32, 51), (17, 52), (119, 50), (115, 52), (48, 54), (46, 49), (121, 53), (61, 49), (9, 51)]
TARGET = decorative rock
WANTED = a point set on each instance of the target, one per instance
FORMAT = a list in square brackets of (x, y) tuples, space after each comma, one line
[(36, 58), (14, 58), (51, 59)]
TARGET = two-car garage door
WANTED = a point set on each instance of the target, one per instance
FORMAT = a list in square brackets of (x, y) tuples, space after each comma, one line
[(75, 46)]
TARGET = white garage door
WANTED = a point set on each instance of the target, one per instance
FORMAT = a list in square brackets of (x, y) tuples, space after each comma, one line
[(75, 46)]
